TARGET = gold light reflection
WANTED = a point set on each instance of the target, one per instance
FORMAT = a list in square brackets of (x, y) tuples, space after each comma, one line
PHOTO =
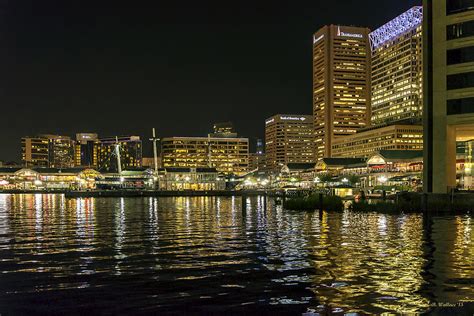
[(120, 228), (374, 248), (367, 263)]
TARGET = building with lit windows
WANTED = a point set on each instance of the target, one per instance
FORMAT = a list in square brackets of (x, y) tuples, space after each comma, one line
[(130, 153), (341, 84), (35, 151), (86, 150), (391, 137), (448, 113), (397, 69), (229, 155), (61, 151), (53, 151), (288, 139)]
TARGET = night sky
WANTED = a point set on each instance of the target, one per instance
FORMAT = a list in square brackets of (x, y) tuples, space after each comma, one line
[(116, 67)]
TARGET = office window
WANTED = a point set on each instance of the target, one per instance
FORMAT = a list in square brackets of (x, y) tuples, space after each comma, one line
[(460, 106), (460, 30), (460, 81), (456, 6), (460, 55)]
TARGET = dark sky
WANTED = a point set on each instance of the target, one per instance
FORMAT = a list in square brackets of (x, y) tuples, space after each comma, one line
[(117, 67)]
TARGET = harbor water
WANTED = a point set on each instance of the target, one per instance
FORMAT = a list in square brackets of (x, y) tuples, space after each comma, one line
[(194, 255)]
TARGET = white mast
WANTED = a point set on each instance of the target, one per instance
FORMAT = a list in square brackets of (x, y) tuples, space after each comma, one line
[(155, 154), (117, 152)]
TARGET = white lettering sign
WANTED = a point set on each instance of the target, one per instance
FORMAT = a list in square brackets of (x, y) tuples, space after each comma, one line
[(292, 118), (340, 33), (315, 40)]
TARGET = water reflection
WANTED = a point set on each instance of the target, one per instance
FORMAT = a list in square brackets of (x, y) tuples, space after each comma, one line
[(207, 254)]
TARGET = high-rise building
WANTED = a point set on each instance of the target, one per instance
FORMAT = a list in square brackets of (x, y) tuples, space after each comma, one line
[(227, 155), (448, 114), (341, 84), (397, 69), (130, 153), (288, 139), (35, 151), (86, 150), (53, 151)]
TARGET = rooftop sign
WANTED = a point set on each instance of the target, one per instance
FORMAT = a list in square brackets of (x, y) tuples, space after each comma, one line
[(341, 33), (292, 118)]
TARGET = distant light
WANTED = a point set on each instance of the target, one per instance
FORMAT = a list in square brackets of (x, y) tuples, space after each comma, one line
[(38, 182), (317, 180), (345, 180), (383, 179)]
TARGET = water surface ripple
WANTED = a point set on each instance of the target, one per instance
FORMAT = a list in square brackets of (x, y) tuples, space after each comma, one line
[(205, 255)]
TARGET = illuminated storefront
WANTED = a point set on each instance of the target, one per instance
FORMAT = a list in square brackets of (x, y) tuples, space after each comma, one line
[(48, 178), (193, 179)]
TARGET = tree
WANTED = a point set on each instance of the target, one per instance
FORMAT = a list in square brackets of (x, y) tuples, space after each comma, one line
[(325, 178), (353, 179)]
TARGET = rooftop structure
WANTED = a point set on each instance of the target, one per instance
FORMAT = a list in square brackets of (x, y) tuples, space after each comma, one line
[(390, 31)]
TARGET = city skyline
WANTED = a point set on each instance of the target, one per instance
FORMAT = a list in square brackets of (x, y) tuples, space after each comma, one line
[(93, 78)]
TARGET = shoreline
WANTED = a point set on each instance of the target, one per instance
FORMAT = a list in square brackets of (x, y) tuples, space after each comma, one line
[(142, 193)]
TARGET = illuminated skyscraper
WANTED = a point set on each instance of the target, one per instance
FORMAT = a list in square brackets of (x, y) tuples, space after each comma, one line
[(288, 139), (397, 69), (341, 84)]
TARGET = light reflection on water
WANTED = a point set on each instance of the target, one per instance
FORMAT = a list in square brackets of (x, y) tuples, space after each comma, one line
[(204, 254)]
